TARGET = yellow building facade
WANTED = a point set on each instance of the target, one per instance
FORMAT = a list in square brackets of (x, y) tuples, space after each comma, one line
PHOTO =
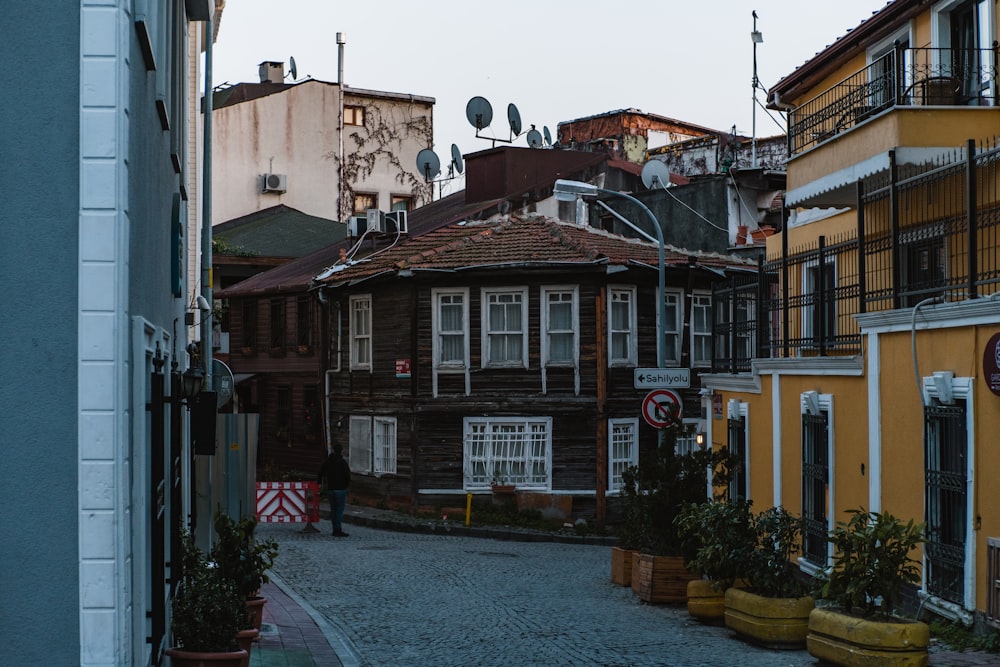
[(860, 370)]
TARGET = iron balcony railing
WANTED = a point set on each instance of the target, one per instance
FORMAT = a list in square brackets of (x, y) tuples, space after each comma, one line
[(902, 77), (926, 231)]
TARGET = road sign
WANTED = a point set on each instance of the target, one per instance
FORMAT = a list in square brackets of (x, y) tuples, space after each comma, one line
[(662, 378), (662, 407)]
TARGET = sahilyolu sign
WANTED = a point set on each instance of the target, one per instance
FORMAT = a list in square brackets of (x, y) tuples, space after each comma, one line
[(662, 378)]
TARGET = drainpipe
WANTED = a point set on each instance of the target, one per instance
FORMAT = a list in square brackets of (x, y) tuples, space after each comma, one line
[(341, 40)]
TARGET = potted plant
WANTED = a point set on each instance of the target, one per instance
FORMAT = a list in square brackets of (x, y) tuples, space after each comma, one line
[(207, 613), (243, 559), (719, 539), (629, 531), (871, 565), (774, 609)]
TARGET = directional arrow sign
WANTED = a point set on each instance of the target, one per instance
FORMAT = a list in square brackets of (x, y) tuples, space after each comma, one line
[(661, 408), (662, 378)]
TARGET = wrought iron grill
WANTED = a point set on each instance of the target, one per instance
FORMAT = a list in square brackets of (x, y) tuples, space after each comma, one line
[(945, 451), (815, 478), (738, 447)]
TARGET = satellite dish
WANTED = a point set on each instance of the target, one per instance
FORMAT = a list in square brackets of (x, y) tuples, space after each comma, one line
[(428, 163), (547, 135), (655, 173), (534, 137), (456, 158), (292, 68), (514, 118), (479, 112), (222, 382)]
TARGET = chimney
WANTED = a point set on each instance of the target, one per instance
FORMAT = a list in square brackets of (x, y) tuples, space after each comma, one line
[(271, 71)]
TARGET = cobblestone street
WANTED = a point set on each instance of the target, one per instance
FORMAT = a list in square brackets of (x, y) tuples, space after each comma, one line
[(431, 600)]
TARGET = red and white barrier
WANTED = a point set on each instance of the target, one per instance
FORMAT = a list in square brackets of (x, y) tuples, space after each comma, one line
[(287, 502)]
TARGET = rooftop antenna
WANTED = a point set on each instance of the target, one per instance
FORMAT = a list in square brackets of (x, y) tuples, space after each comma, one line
[(534, 138), (655, 174), (293, 71), (546, 135), (756, 37), (479, 113), (429, 164)]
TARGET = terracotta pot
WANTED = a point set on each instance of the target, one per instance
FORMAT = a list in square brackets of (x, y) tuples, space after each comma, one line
[(181, 658), (661, 579), (770, 622), (255, 607), (839, 638), (246, 639), (621, 566)]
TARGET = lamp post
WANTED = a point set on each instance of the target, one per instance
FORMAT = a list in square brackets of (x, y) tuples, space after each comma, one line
[(565, 190)]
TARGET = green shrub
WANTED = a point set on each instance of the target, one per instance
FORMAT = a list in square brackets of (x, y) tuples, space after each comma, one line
[(718, 540), (208, 611), (771, 572)]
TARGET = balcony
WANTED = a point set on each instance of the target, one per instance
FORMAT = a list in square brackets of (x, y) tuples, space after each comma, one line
[(928, 231), (901, 78)]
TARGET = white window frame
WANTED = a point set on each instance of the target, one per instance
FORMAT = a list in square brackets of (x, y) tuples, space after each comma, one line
[(545, 317), (810, 273), (358, 363), (437, 295), (487, 332), (372, 448), (631, 332), (814, 403), (628, 429), (481, 466), (706, 334), (675, 329)]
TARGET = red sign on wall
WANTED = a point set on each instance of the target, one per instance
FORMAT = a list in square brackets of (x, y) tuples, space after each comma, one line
[(991, 364), (402, 368)]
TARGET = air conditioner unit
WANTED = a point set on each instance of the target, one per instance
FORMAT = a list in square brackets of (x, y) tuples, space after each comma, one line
[(376, 220), (273, 183), (395, 222), (357, 226)]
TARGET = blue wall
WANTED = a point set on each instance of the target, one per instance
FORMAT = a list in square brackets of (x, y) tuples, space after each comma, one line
[(39, 152)]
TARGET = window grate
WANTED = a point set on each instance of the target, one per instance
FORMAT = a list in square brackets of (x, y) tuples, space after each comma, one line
[(815, 478), (738, 448), (945, 451), (993, 579)]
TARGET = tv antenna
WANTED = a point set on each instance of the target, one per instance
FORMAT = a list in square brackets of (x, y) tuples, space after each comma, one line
[(429, 164), (479, 113), (655, 174), (293, 71)]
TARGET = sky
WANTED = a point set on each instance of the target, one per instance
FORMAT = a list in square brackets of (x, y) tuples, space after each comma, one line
[(556, 61)]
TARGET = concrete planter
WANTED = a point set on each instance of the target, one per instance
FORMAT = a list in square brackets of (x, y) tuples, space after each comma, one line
[(851, 641), (621, 566), (705, 602), (772, 622)]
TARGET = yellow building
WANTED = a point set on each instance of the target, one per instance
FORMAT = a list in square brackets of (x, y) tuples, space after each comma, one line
[(860, 370)]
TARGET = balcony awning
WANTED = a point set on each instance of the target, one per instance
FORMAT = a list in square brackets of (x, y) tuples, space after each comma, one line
[(837, 189)]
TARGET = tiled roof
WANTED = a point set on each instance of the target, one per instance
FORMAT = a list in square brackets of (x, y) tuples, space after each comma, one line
[(515, 242), (279, 231)]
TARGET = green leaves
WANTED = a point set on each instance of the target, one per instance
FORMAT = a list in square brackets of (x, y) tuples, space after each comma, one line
[(207, 611)]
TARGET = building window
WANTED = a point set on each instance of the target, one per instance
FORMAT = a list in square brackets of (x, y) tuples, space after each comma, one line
[(249, 333), (923, 266), (559, 326), (361, 332), (945, 453), (623, 450), (701, 330), (372, 445), (815, 477), (505, 331), (401, 203), (739, 484), (508, 450), (364, 201), (304, 321), (622, 325), (354, 115), (451, 329), (277, 324), (819, 290), (674, 319)]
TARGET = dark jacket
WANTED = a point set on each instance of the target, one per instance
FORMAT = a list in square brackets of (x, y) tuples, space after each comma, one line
[(335, 472)]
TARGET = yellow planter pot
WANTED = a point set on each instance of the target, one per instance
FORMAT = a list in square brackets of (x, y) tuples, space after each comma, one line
[(772, 622), (852, 641), (705, 602), (621, 566)]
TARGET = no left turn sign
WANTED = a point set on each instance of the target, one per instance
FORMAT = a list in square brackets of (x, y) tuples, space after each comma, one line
[(661, 408)]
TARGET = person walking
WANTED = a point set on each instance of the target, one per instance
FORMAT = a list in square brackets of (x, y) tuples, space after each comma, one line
[(337, 474)]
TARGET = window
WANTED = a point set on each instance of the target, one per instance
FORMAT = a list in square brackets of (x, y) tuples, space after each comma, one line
[(622, 325), (505, 331), (277, 324), (508, 450), (354, 115), (559, 326), (815, 477), (401, 203), (701, 330), (623, 450), (674, 318), (304, 321), (739, 485), (249, 323), (361, 332), (364, 201), (820, 316), (451, 329), (372, 445), (923, 264)]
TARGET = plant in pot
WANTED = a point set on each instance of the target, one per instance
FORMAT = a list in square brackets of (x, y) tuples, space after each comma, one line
[(243, 559), (207, 613), (719, 539), (629, 531), (664, 483), (774, 609), (871, 565)]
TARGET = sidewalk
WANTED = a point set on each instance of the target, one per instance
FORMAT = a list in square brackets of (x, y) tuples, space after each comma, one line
[(293, 634)]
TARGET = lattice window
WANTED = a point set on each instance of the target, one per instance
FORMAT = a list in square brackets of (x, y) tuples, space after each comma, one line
[(945, 452)]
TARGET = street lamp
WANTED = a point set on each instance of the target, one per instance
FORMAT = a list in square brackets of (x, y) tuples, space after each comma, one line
[(569, 190)]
